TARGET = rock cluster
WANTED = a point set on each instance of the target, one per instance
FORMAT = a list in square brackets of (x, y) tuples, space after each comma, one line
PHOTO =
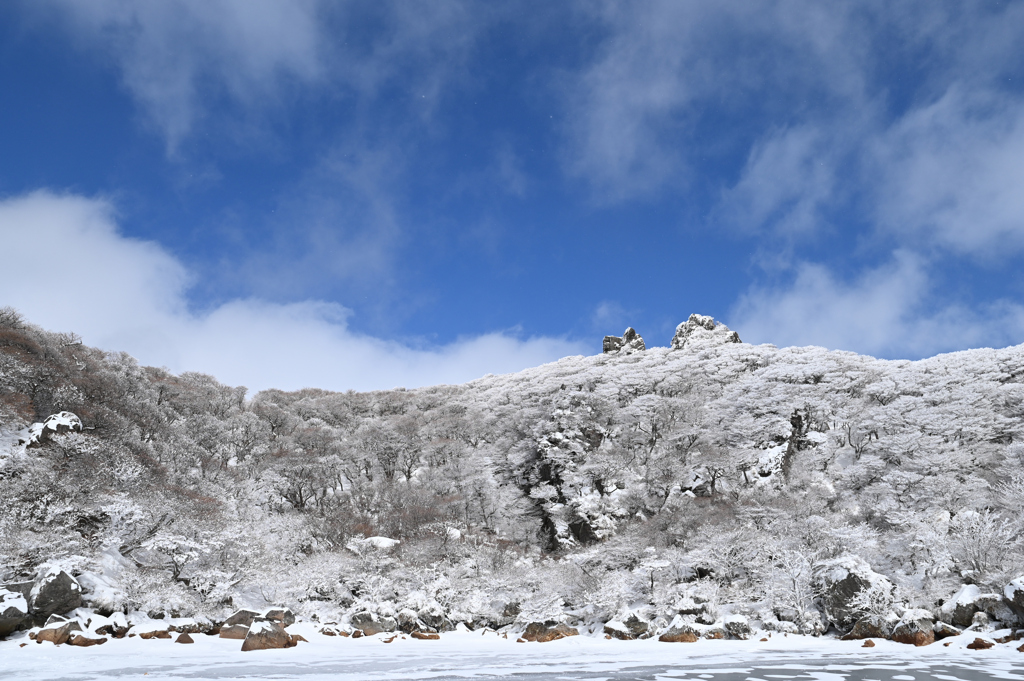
[(23, 604), (628, 343), (702, 330)]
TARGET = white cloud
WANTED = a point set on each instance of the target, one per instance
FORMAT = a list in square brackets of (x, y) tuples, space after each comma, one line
[(188, 60), (884, 312), (69, 269), (953, 170)]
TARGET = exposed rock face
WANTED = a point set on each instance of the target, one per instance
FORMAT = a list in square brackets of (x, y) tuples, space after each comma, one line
[(916, 627), (840, 581), (702, 330), (943, 630), (629, 343), (266, 636), (542, 632), (13, 611), (56, 593)]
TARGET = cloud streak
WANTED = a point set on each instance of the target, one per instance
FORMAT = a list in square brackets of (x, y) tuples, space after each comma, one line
[(72, 270)]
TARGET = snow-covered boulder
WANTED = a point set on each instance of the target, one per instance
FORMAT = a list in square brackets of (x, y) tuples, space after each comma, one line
[(944, 630), (1014, 594), (681, 631), (13, 611), (702, 330), (237, 626), (916, 627), (282, 616), (628, 343), (960, 608), (266, 636), (369, 623), (55, 424), (56, 593), (738, 627), (361, 546), (58, 632), (841, 584), (542, 632)]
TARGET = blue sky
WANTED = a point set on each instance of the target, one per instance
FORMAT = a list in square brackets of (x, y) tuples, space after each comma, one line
[(369, 194)]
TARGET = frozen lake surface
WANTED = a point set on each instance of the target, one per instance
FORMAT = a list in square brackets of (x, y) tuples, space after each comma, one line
[(475, 656)]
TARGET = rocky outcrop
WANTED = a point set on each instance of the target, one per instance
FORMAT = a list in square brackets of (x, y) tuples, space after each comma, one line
[(13, 612), (701, 330), (542, 632), (55, 424), (916, 627), (841, 582), (266, 636), (56, 593), (629, 343)]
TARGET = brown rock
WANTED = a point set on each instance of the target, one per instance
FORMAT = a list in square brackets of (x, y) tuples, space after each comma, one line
[(1019, 650), (542, 632), (328, 632), (715, 634), (425, 637), (868, 644), (155, 634), (943, 630), (214, 630), (266, 636), (916, 631), (621, 634), (113, 630), (84, 641), (345, 634), (235, 631), (282, 616), (389, 640), (58, 633), (25, 644), (296, 638), (520, 640), (242, 617), (358, 633), (980, 644), (865, 628), (764, 640), (184, 638)]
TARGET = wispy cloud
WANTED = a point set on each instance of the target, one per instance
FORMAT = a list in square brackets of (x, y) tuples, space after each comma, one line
[(70, 269), (887, 311)]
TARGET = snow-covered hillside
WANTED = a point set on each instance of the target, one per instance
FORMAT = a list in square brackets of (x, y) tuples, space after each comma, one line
[(658, 490)]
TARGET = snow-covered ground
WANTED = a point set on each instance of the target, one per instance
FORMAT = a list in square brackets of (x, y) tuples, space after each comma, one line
[(489, 656)]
